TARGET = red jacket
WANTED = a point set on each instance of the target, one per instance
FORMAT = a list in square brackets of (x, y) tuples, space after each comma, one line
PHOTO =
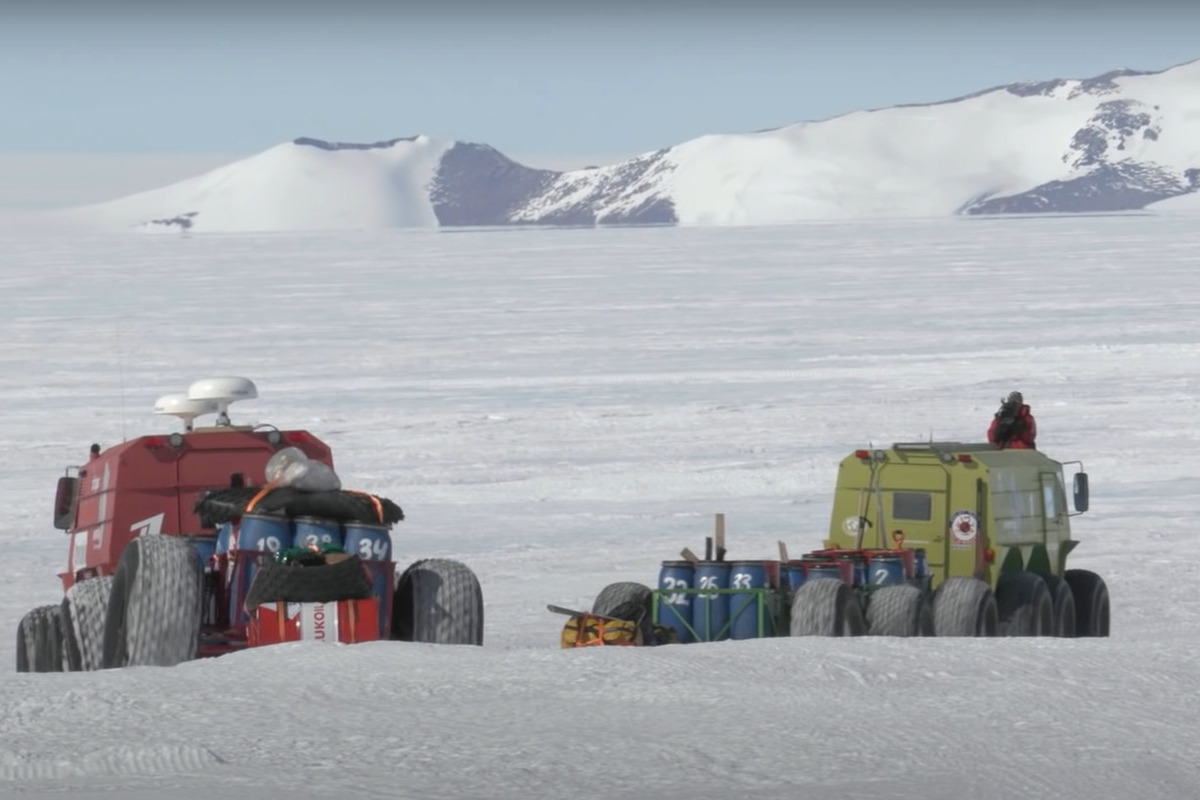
[(1022, 435)]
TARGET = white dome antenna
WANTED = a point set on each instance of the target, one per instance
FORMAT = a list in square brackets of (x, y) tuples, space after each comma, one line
[(180, 405), (222, 392)]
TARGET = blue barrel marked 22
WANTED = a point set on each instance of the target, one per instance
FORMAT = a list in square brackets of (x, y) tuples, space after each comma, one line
[(887, 569), (710, 611), (744, 608), (312, 532), (675, 606)]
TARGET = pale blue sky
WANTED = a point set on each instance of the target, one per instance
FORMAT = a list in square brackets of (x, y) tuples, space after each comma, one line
[(552, 78)]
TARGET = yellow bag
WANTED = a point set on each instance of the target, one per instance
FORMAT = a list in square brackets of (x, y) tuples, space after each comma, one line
[(586, 630)]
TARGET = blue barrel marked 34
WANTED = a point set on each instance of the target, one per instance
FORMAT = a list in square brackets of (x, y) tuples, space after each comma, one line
[(710, 609), (749, 614), (675, 605), (373, 545), (313, 533)]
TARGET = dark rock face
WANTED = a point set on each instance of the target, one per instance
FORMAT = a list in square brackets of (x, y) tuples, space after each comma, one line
[(477, 185), (1125, 186)]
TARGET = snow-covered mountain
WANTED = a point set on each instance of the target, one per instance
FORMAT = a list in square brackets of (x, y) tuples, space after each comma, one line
[(1121, 141)]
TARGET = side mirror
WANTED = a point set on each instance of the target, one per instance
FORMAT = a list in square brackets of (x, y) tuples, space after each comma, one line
[(1081, 492), (64, 502)]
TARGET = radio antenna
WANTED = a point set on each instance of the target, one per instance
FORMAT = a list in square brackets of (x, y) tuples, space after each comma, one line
[(121, 377)]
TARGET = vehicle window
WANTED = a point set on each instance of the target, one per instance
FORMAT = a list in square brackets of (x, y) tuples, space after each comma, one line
[(916, 506)]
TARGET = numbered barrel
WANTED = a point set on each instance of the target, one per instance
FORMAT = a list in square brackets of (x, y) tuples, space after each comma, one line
[(373, 544), (258, 538), (886, 569), (710, 610), (264, 533), (748, 611), (314, 533), (674, 605)]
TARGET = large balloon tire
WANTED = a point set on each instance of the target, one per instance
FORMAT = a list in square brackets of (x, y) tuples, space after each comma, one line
[(438, 601)]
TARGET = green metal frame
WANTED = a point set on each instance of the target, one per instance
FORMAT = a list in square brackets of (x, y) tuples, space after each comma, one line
[(760, 598)]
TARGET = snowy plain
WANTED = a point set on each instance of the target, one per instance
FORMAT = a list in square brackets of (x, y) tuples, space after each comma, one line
[(561, 409)]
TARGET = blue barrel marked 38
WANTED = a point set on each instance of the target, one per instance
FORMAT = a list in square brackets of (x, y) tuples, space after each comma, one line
[(373, 544), (749, 618), (710, 610), (313, 533), (675, 604)]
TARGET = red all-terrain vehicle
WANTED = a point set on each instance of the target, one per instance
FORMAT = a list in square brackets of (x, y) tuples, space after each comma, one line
[(202, 542)]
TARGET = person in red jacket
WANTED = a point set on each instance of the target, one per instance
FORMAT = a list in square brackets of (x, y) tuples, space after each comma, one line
[(1013, 425)]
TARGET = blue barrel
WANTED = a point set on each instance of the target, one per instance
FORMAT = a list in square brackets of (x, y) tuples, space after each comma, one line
[(205, 544), (367, 541), (796, 574), (744, 608), (373, 544), (710, 611), (887, 569), (313, 533), (920, 563), (224, 538), (674, 606), (858, 574), (825, 569), (264, 533)]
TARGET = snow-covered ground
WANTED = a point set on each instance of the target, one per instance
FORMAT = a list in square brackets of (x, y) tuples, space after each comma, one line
[(563, 409)]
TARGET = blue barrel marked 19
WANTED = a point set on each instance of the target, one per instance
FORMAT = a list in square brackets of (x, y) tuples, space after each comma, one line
[(264, 533), (887, 569), (259, 536), (710, 611), (745, 610), (674, 606), (312, 532)]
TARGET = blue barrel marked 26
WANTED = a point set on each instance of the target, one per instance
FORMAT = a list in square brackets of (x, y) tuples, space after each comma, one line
[(675, 606), (710, 611), (744, 609), (887, 569), (312, 532)]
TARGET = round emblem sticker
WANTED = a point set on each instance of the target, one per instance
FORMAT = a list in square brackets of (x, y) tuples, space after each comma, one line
[(852, 526), (964, 526)]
